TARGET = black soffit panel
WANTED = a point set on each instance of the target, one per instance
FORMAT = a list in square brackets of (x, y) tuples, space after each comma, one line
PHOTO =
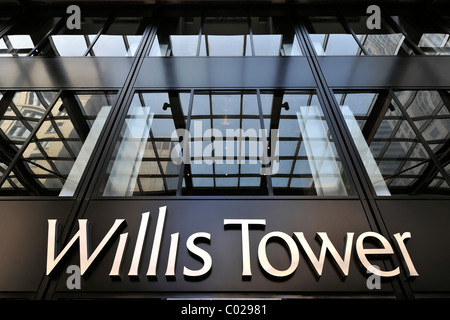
[(236, 72), (79, 72), (215, 72), (385, 71)]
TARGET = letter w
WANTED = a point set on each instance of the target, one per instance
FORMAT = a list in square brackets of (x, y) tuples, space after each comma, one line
[(343, 264), (82, 235)]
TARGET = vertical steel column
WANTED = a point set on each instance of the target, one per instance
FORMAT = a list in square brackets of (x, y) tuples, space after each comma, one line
[(350, 155), (94, 166)]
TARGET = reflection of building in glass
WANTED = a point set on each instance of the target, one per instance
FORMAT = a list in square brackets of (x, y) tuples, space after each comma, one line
[(397, 149)]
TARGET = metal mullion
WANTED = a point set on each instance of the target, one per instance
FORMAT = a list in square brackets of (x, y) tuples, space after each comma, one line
[(376, 115), (430, 172), (425, 145), (125, 42), (295, 158), (342, 129), (325, 42), (199, 41), (99, 160), (428, 119), (20, 117), (294, 161), (185, 168), (391, 138), (212, 141), (394, 25), (5, 101), (53, 30), (264, 143), (61, 137), (118, 113), (58, 132), (350, 30), (250, 32), (12, 23), (445, 97), (241, 108), (155, 149), (103, 29), (158, 161), (28, 140), (10, 48), (297, 149), (47, 158), (347, 151), (75, 114), (138, 181), (402, 161)]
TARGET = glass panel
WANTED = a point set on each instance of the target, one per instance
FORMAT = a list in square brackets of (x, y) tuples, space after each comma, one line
[(274, 37), (394, 158), (121, 39), (74, 42), (177, 37), (430, 111), (20, 113), (226, 145), (383, 41), (309, 162), (22, 39), (330, 38), (143, 161), (428, 36), (55, 159), (225, 36)]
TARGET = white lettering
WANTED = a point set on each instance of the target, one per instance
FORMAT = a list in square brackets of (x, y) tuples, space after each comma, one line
[(293, 252), (405, 255), (157, 242), (362, 252), (246, 267), (343, 264), (82, 235), (202, 254)]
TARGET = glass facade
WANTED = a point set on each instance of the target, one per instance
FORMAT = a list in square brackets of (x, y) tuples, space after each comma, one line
[(225, 141), (48, 138), (396, 136), (302, 120), (226, 36)]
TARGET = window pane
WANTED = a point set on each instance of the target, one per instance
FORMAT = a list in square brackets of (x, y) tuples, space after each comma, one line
[(309, 162), (55, 159), (329, 37), (428, 36), (20, 113), (225, 148), (74, 42), (225, 36), (394, 158), (22, 39), (274, 37), (121, 39), (430, 111), (177, 37), (383, 41), (143, 162)]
